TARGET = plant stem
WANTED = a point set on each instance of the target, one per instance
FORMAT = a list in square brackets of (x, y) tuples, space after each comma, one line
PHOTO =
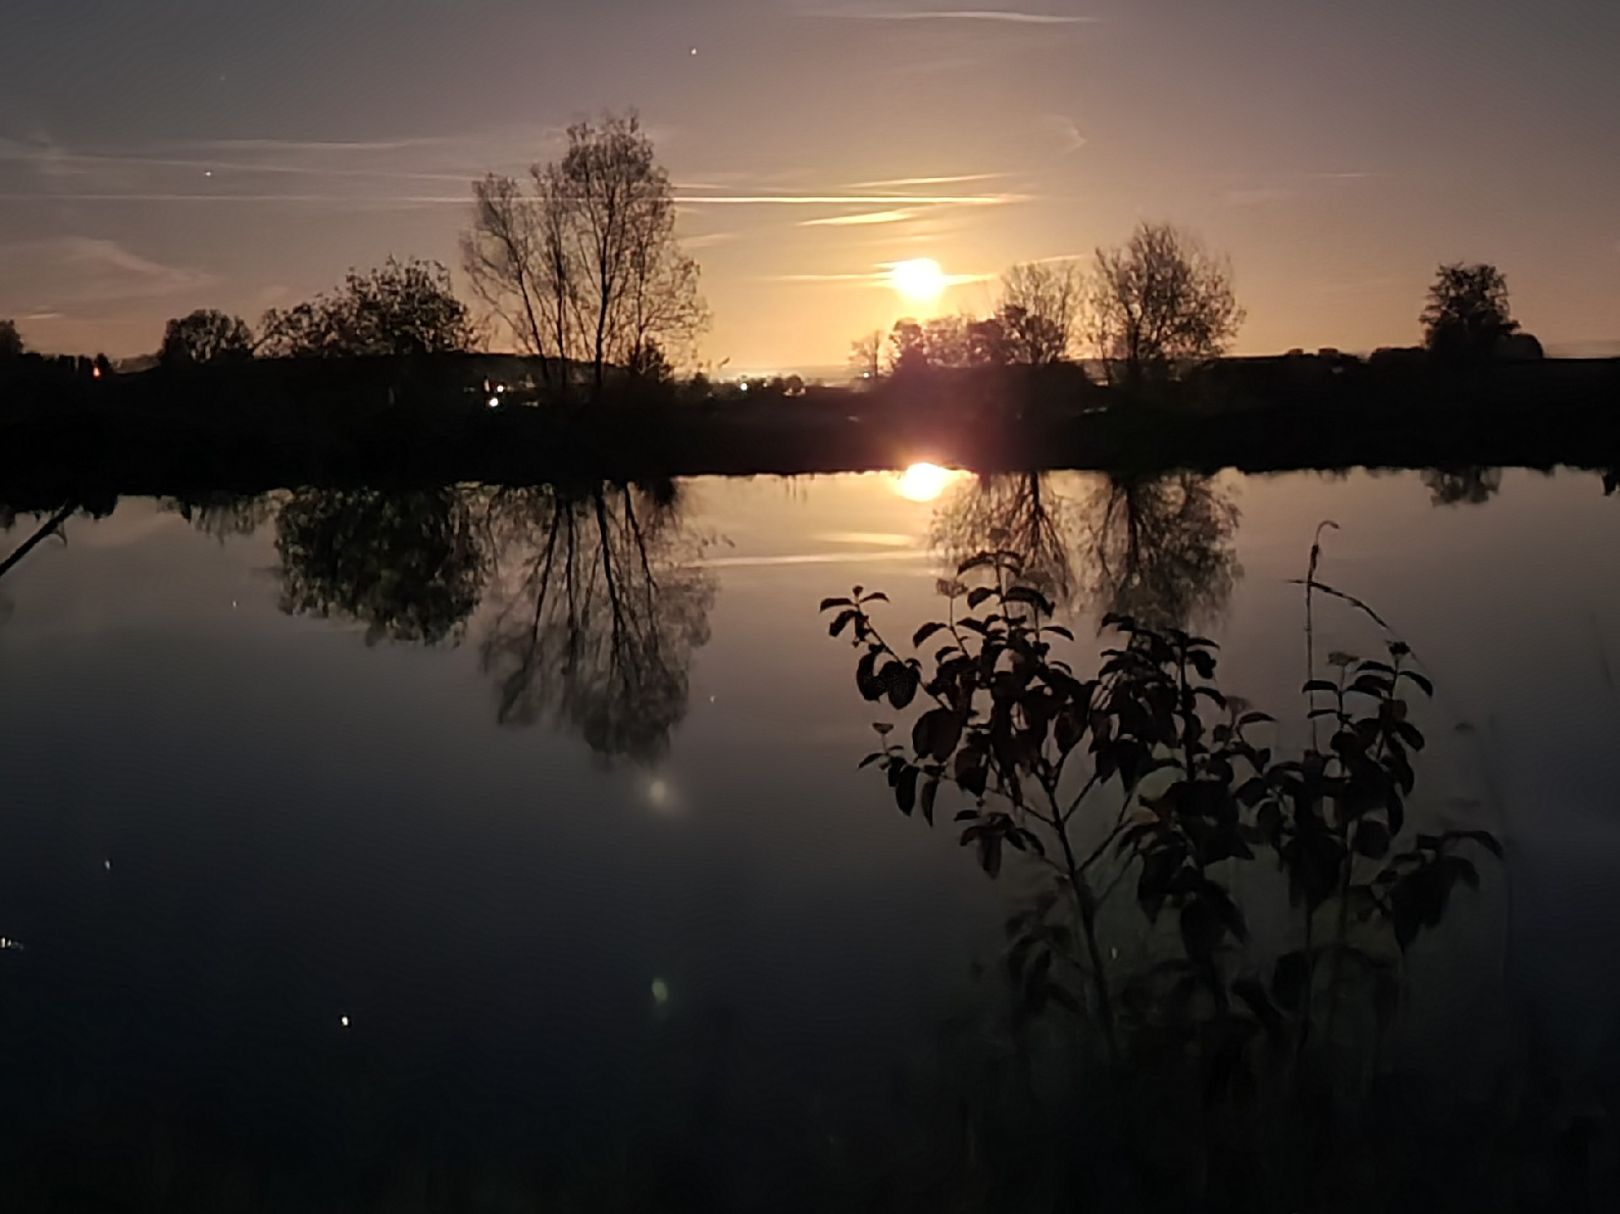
[(1088, 925)]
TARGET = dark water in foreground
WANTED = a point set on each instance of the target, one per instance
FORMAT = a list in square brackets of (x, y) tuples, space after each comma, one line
[(468, 851)]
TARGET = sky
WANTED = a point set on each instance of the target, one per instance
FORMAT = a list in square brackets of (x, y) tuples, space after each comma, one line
[(243, 154)]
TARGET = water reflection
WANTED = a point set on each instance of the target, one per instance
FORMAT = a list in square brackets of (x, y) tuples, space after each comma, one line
[(407, 565), (773, 1006), (596, 610), (47, 526), (1462, 486), (1021, 512), (1156, 548), (224, 515), (1161, 549), (925, 482), (590, 599)]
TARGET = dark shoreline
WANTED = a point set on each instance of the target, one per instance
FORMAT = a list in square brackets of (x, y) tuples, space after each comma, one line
[(259, 427)]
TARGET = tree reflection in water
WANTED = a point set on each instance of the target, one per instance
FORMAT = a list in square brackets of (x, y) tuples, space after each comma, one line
[(596, 610), (224, 515), (593, 604), (1156, 548), (1462, 486), (408, 565), (1160, 548), (1019, 511)]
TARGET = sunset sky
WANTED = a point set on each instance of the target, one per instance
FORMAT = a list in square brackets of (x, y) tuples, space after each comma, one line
[(241, 154)]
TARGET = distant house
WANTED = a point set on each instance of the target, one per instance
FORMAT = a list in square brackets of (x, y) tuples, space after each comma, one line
[(1519, 347), (1391, 358)]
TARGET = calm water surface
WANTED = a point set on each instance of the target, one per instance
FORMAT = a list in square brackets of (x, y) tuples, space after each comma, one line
[(456, 851)]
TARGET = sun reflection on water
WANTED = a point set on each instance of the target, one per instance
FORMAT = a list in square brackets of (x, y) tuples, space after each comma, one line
[(925, 482)]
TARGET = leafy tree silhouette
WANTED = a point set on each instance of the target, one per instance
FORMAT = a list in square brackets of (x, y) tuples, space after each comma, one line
[(400, 308), (205, 337), (1467, 313)]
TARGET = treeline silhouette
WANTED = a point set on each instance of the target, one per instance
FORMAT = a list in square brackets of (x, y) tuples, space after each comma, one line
[(1121, 364)]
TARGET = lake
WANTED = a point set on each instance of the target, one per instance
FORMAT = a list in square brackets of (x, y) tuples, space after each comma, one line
[(503, 849)]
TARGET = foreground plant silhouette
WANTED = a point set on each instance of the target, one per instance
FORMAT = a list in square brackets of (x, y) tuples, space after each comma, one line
[(1148, 770)]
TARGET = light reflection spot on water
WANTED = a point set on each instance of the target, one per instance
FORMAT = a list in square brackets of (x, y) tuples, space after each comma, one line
[(925, 482)]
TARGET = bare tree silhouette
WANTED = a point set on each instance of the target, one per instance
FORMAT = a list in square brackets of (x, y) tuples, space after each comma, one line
[(587, 270), (1159, 302), (1039, 309), (51, 526), (866, 355)]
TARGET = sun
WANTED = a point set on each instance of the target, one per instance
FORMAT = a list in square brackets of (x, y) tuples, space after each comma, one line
[(920, 280)]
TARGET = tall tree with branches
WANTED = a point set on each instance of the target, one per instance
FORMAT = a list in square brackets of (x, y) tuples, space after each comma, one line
[(516, 259), (1040, 306), (1159, 302), (586, 269)]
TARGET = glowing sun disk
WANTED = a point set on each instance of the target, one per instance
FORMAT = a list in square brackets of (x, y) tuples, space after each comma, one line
[(920, 280)]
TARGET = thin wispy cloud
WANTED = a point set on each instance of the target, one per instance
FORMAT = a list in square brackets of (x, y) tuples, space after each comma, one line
[(224, 197), (853, 199), (861, 219), (1066, 131), (338, 146), (74, 270), (878, 277), (709, 240), (1000, 16), (908, 182), (332, 200), (868, 278), (157, 168), (57, 162)]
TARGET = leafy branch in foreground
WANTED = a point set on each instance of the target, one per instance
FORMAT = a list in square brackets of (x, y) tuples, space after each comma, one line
[(1148, 770)]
